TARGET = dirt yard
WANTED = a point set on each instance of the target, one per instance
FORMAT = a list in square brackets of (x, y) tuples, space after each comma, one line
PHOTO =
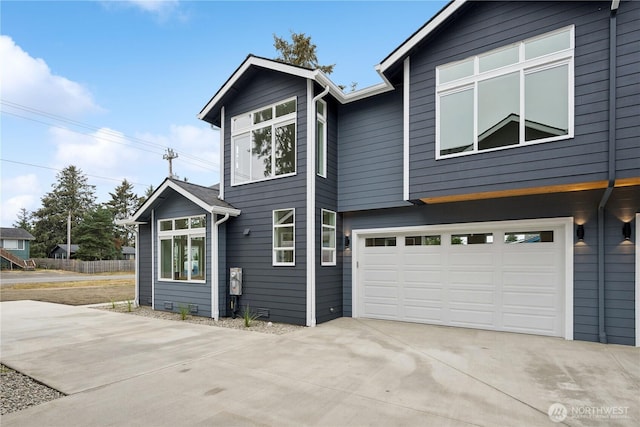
[(71, 293)]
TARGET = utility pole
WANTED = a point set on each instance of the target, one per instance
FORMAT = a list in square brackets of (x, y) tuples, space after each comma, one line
[(170, 156), (69, 236)]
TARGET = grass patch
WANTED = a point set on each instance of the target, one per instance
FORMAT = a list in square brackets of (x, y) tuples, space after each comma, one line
[(72, 293), (71, 284)]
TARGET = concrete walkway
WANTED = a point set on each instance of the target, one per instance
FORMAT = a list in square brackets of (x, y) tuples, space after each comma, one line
[(120, 369)]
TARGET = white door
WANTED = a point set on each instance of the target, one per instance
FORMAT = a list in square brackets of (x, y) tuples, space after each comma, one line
[(499, 278)]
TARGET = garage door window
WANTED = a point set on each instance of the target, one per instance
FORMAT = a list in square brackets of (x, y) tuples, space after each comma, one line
[(380, 241), (422, 241), (528, 237), (471, 239)]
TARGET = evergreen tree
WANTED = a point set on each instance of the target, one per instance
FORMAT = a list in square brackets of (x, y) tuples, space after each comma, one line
[(24, 220), (301, 51), (122, 205), (95, 236), (71, 194)]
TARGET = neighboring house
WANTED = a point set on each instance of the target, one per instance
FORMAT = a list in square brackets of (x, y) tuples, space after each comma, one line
[(15, 242), (425, 198), (60, 252)]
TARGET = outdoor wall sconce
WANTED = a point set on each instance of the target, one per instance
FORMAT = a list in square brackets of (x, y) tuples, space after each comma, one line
[(626, 230), (347, 242), (246, 231), (580, 232)]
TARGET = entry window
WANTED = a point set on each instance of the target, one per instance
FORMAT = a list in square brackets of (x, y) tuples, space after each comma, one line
[(263, 143), (284, 237), (182, 249), (328, 237), (422, 241), (380, 241), (471, 239), (528, 237), (511, 96)]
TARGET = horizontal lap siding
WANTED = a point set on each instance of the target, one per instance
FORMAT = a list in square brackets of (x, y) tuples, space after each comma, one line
[(329, 278), (485, 26), (628, 91), (370, 153), (183, 293), (145, 269), (281, 290), (620, 263)]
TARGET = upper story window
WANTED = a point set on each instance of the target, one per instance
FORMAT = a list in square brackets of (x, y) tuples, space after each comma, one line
[(182, 248), (13, 244), (321, 138), (263, 143), (480, 100)]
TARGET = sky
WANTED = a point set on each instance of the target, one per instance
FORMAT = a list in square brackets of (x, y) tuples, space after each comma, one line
[(109, 86)]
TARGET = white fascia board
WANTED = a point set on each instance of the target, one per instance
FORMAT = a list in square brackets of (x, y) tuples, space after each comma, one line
[(257, 62), (187, 195), (406, 47)]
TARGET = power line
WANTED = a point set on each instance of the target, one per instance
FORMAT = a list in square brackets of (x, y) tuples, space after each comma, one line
[(108, 132), (60, 170)]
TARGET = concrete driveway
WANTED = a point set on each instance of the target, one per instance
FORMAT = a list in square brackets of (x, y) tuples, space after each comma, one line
[(129, 370)]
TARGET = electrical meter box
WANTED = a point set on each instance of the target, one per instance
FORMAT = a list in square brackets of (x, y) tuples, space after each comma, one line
[(235, 286)]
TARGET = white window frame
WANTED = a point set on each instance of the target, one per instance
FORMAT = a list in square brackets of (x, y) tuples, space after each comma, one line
[(321, 169), (277, 249), (332, 229), (523, 67), (190, 233), (239, 130), (13, 244)]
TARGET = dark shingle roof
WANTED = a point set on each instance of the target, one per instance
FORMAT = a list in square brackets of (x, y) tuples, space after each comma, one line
[(209, 195), (15, 233)]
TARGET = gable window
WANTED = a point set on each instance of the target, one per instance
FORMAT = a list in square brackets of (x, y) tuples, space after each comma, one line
[(328, 237), (263, 143), (284, 240), (182, 248), (321, 138), (516, 95)]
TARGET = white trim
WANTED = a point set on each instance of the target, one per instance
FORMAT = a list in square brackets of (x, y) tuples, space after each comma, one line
[(137, 272), (222, 164), (430, 26), (310, 213), (637, 311), (274, 261), (215, 311), (566, 222), (335, 237), (323, 120), (186, 194), (153, 259), (190, 233), (406, 109)]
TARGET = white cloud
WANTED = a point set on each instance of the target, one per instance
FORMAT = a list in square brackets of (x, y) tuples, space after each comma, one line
[(106, 153), (19, 192), (30, 82), (163, 10)]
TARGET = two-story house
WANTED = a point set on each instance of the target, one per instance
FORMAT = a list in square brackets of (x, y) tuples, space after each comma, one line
[(491, 180)]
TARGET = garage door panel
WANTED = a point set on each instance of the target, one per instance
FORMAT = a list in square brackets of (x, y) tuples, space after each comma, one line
[(498, 286)]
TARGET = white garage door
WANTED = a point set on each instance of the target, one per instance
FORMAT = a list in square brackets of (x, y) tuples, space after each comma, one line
[(501, 278)]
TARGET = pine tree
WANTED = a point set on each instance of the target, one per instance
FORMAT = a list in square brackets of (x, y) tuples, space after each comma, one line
[(95, 236), (24, 220), (71, 194), (301, 51), (122, 205)]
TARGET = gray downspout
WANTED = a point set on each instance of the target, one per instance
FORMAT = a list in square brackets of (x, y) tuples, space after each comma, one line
[(612, 173)]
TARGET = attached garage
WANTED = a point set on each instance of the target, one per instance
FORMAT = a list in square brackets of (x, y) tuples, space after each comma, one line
[(514, 276)]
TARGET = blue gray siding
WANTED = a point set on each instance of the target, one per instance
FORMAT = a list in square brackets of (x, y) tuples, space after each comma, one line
[(486, 26), (620, 262), (145, 270), (281, 290), (183, 293), (370, 153), (329, 278), (628, 90)]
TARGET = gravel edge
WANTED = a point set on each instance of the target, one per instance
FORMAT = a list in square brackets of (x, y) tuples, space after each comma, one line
[(19, 391)]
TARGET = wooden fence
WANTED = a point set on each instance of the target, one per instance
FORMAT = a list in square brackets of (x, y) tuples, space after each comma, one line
[(87, 267)]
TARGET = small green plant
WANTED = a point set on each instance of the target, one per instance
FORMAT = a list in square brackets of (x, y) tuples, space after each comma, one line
[(129, 305), (248, 317), (113, 304), (184, 311)]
